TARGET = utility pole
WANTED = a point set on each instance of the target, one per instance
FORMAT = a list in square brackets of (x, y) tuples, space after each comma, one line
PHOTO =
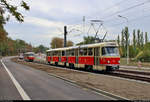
[(65, 36), (127, 39)]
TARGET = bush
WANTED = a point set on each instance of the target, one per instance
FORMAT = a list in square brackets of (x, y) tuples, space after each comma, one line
[(144, 55)]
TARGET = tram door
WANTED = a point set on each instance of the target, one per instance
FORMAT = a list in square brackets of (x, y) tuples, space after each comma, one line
[(96, 57)]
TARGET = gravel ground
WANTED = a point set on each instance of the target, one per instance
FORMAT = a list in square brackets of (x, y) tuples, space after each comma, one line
[(128, 89), (138, 69)]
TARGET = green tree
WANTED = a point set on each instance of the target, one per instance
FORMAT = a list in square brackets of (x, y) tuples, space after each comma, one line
[(134, 39), (126, 35), (123, 43), (87, 40), (138, 38), (56, 43), (69, 43), (146, 38), (40, 48), (6, 8), (141, 40), (118, 40), (3, 33), (144, 55)]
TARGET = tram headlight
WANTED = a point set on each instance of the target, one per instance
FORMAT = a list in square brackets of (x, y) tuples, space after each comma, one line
[(108, 62), (119, 62)]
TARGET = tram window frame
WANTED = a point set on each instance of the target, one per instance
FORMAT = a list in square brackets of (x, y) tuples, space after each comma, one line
[(97, 49), (90, 51), (85, 51), (76, 52), (68, 52), (103, 51)]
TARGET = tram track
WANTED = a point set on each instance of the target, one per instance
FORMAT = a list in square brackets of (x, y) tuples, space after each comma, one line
[(134, 72), (130, 76), (135, 75)]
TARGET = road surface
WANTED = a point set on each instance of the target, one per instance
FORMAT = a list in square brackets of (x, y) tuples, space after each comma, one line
[(20, 82)]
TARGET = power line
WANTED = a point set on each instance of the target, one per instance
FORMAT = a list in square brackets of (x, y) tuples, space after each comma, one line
[(144, 10), (131, 20), (112, 6), (118, 3), (129, 8)]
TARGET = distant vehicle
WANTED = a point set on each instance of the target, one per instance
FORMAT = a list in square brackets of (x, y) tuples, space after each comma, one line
[(29, 56), (21, 56), (100, 56)]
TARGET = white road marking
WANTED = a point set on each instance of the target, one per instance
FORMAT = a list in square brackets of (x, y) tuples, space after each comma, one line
[(18, 86)]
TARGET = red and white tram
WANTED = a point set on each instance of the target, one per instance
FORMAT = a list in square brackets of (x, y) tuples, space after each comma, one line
[(29, 56), (100, 56)]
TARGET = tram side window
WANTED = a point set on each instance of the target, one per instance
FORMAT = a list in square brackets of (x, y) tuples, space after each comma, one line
[(81, 52), (67, 52), (55, 53), (72, 52), (103, 51), (50, 54), (90, 51), (58, 53), (85, 52), (63, 53)]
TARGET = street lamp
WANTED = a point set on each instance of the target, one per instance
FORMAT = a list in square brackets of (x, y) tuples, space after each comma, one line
[(128, 39)]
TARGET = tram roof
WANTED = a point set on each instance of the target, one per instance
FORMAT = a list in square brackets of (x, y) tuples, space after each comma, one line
[(29, 53), (65, 48), (99, 44), (86, 46)]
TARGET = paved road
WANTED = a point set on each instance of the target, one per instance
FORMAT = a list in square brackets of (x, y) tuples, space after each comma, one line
[(38, 85)]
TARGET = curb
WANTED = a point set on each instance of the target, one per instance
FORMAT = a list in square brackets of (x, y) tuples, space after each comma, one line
[(110, 95)]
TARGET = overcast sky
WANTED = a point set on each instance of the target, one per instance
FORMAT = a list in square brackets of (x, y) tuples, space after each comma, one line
[(47, 18)]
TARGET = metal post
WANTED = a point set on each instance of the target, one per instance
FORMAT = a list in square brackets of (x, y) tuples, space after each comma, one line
[(128, 39), (65, 36)]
